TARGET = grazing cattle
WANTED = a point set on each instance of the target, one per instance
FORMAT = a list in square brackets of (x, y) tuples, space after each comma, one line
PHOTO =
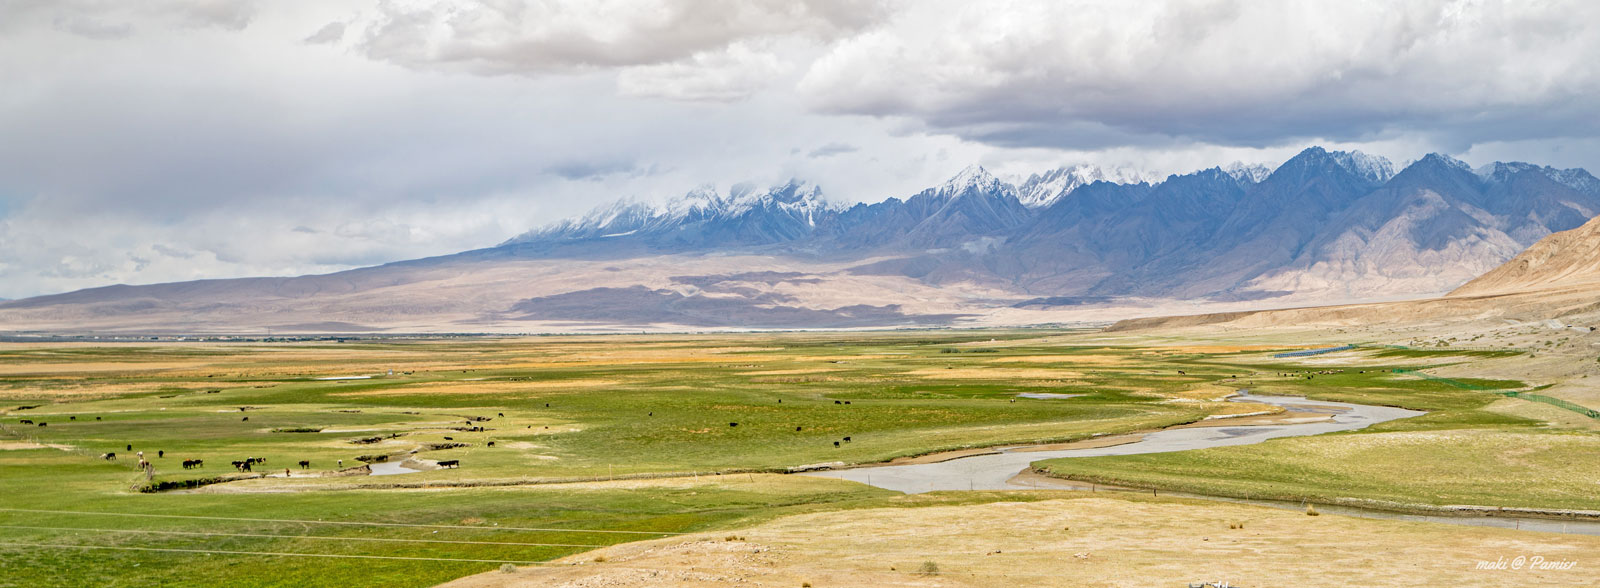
[(130, 447), (238, 465), (161, 453), (502, 415), (244, 419), (835, 443), (652, 413), (450, 463), (547, 405), (846, 439), (97, 418), (43, 424), (305, 464), (733, 424), (837, 402), (72, 418), (847, 402), (192, 463), (797, 428), (108, 456), (27, 421), (1180, 372), (449, 438), (491, 444)]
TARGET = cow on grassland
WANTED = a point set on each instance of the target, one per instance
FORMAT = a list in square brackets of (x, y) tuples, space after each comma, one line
[(449, 463)]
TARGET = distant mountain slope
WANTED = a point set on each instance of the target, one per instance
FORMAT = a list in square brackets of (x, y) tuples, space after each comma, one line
[(1565, 259), (1323, 227)]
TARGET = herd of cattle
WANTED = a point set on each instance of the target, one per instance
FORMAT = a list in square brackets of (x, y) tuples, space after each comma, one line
[(247, 464)]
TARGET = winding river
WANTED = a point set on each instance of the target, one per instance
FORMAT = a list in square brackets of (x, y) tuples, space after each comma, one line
[(1002, 470), (994, 471)]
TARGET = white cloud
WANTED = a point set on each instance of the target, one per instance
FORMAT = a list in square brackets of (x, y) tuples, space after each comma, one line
[(730, 74), (167, 140), (110, 19), (1103, 73), (545, 36), (332, 32)]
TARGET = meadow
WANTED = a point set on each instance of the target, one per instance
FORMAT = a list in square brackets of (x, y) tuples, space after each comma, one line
[(676, 431), (1467, 451), (605, 440)]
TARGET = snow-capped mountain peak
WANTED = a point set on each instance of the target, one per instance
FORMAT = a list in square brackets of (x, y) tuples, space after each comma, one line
[(1043, 189), (1247, 172), (973, 177)]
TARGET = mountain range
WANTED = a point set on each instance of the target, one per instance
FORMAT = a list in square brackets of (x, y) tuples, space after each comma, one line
[(1076, 243)]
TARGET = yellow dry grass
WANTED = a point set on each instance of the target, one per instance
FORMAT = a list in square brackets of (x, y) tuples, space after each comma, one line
[(1087, 541)]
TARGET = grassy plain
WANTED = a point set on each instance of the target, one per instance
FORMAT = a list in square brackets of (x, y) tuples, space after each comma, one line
[(629, 433), (1467, 450), (574, 408)]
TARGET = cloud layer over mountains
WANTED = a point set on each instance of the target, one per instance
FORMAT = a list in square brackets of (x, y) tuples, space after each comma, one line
[(181, 139)]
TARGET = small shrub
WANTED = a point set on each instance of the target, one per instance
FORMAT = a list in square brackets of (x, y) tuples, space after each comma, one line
[(928, 568), (805, 585), (508, 568), (599, 559)]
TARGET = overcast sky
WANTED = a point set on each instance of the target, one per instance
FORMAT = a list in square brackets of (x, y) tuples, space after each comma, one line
[(166, 140)]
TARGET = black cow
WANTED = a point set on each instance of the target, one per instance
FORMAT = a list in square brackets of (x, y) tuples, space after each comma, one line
[(72, 418), (97, 418), (502, 415), (108, 456), (835, 443), (305, 464), (491, 444), (449, 438), (733, 424), (837, 402), (450, 463), (161, 453), (130, 447), (797, 429), (846, 439), (27, 421), (244, 419), (43, 424)]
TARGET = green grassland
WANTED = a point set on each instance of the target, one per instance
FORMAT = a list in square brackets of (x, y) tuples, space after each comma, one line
[(649, 418), (1460, 453), (558, 409)]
